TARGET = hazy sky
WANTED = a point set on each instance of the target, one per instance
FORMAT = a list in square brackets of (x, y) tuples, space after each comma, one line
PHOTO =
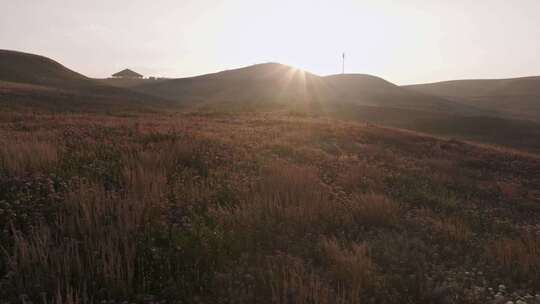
[(404, 41)]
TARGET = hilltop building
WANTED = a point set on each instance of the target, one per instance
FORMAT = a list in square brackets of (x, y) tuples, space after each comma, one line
[(127, 74)]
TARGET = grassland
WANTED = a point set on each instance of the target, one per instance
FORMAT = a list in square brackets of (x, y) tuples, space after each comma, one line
[(259, 208)]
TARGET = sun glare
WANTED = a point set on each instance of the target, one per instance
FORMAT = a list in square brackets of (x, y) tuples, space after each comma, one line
[(312, 35), (436, 39)]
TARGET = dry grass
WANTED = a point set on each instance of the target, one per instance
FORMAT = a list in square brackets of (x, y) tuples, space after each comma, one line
[(520, 256), (248, 209), (288, 200), (291, 201), (27, 155), (93, 240), (351, 268), (361, 177), (373, 210), (510, 190), (293, 282), (455, 229)]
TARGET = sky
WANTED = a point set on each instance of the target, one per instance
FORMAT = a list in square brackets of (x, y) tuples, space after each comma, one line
[(403, 41)]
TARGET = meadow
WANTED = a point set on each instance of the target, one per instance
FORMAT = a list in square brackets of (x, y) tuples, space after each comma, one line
[(259, 208)]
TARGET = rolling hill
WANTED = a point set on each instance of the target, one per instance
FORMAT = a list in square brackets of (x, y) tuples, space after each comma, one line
[(128, 83), (27, 68), (276, 87), (516, 97), (260, 86), (37, 81), (274, 82), (369, 90), (268, 83), (357, 97), (194, 203)]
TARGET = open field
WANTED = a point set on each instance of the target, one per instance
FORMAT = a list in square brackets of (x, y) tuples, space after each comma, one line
[(269, 152), (259, 208), (31, 82)]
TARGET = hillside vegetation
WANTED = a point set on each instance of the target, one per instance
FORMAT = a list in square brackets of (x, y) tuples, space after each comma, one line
[(259, 208), (34, 69), (275, 87), (28, 80), (278, 83), (517, 97)]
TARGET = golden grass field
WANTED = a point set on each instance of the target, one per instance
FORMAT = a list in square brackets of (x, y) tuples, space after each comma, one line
[(259, 208)]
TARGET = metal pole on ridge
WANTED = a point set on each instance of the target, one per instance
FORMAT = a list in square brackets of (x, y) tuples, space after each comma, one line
[(343, 64)]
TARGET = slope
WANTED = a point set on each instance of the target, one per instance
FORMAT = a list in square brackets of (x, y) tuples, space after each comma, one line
[(516, 97), (37, 81), (260, 208), (268, 83), (369, 90), (34, 69), (276, 83), (277, 87)]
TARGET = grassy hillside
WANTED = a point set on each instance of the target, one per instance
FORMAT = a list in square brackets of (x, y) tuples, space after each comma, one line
[(262, 83), (369, 90), (28, 80), (260, 208), (284, 85), (35, 82), (34, 69), (275, 87), (128, 83), (519, 134), (518, 97), (512, 133), (482, 87)]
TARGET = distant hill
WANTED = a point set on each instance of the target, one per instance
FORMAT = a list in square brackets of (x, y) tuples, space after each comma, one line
[(369, 90), (128, 83), (257, 84), (273, 86), (34, 69), (284, 85), (33, 80), (39, 82), (516, 97)]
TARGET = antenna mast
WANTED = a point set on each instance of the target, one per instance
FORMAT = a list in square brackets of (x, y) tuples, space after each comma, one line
[(343, 64)]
